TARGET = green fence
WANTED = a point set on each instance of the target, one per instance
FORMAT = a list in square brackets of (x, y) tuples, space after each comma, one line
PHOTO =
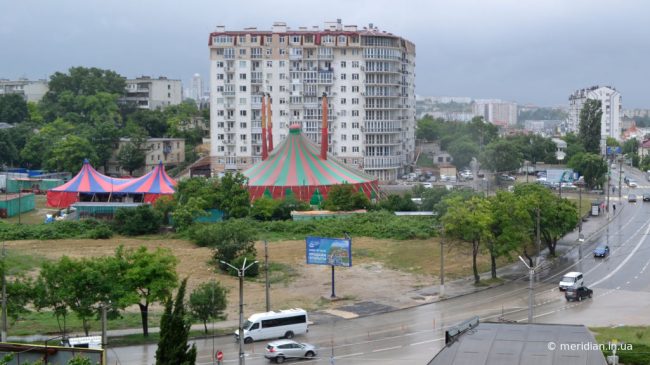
[(12, 204), (14, 186)]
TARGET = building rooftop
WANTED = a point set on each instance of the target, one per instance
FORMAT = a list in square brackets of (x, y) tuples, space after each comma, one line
[(522, 344)]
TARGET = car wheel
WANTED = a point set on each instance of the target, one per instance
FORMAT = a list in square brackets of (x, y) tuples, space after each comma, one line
[(279, 359), (288, 335), (248, 340), (309, 354)]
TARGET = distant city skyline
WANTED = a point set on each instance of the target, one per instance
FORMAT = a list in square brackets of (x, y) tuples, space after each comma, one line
[(529, 52)]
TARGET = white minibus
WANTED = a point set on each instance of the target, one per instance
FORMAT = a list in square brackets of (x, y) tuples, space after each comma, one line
[(280, 324)]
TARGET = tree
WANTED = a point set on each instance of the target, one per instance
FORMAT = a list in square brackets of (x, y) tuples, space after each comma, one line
[(173, 348), (150, 277), (592, 167), (50, 291), (574, 145), (20, 291), (131, 156), (152, 121), (137, 221), (462, 151), (103, 136), (501, 156), (87, 81), (427, 129), (208, 301), (68, 154), (344, 198), (589, 131), (509, 228), (482, 132), (558, 216), (469, 221), (232, 196), (13, 109), (398, 203), (612, 142), (39, 145), (230, 239), (8, 152)]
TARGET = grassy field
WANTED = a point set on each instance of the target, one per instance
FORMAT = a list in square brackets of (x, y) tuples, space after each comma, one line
[(626, 334)]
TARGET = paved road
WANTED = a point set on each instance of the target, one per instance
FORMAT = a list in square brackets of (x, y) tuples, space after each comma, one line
[(621, 286)]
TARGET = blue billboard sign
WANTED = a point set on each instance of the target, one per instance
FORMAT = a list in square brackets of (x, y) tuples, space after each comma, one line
[(329, 251), (611, 150)]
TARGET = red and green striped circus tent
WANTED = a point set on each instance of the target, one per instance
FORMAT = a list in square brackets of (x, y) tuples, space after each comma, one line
[(296, 168)]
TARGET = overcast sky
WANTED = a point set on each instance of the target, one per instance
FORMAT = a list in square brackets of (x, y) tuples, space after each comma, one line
[(528, 51)]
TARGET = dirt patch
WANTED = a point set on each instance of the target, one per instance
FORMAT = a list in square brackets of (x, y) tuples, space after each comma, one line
[(309, 286)]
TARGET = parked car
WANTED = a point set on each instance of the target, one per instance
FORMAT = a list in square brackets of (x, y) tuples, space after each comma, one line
[(427, 185), (601, 251), (578, 293), (631, 198), (280, 350), (505, 177), (646, 197), (614, 165)]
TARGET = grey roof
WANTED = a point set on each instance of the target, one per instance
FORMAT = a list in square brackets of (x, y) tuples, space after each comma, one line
[(521, 344)]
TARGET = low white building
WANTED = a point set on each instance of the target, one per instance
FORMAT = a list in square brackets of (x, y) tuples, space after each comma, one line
[(32, 91), (149, 93)]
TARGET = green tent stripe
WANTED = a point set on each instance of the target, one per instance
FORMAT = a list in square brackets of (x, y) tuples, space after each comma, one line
[(284, 169)]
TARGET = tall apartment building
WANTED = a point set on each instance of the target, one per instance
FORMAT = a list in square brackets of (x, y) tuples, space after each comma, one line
[(149, 93), (367, 74), (496, 111), (30, 90), (611, 102)]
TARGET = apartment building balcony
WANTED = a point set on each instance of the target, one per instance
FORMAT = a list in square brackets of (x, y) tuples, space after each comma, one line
[(381, 127), (257, 81), (381, 143), (381, 162), (295, 57), (229, 142)]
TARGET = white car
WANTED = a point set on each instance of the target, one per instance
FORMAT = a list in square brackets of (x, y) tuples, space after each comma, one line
[(631, 183), (427, 185), (288, 349)]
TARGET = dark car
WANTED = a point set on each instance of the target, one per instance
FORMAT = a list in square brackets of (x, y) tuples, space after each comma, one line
[(601, 251), (646, 197), (572, 294)]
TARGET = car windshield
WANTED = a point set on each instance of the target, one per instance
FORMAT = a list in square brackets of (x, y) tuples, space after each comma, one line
[(568, 278), (248, 324)]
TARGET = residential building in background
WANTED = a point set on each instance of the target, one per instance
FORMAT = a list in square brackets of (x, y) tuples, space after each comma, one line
[(169, 151), (611, 102), (496, 111), (367, 74), (450, 108), (30, 90), (150, 93), (196, 90), (545, 128)]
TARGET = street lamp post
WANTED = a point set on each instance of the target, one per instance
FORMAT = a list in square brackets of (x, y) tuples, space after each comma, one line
[(442, 262), (240, 273), (580, 236)]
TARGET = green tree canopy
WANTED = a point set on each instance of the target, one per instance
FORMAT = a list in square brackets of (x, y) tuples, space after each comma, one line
[(173, 348), (150, 277), (592, 167), (208, 301), (230, 239), (132, 156), (590, 120), (469, 221), (462, 151), (345, 198), (501, 156), (69, 153), (13, 109)]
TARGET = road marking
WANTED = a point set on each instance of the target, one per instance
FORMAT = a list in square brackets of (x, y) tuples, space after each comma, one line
[(387, 349), (618, 287), (427, 341), (643, 237)]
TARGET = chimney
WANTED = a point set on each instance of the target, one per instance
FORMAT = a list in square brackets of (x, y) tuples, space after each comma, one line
[(323, 141), (269, 113), (265, 152)]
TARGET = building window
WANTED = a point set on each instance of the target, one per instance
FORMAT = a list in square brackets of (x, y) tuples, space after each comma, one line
[(242, 88), (344, 125), (343, 149), (343, 101), (295, 39), (242, 137), (281, 39), (355, 76), (355, 64), (355, 89), (355, 101), (220, 64), (253, 39), (242, 76), (243, 114), (341, 39), (242, 51), (355, 137), (343, 88), (169, 95), (269, 63), (219, 76), (269, 51), (268, 39), (355, 124), (282, 64), (242, 63), (355, 149), (355, 113), (344, 137), (343, 77), (242, 149), (342, 64)]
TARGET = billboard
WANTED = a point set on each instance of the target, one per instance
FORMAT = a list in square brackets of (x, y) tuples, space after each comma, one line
[(329, 251)]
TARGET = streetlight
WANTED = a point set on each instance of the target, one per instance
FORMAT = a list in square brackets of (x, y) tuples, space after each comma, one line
[(441, 228), (240, 273), (581, 238)]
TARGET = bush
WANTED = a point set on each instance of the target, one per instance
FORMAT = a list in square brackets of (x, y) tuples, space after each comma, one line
[(252, 272), (230, 239), (640, 354), (50, 231), (138, 221), (102, 233)]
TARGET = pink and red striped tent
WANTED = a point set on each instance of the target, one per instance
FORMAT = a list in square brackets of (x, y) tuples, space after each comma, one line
[(295, 167), (91, 182)]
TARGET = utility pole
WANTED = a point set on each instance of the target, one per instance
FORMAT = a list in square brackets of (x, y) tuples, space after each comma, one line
[(442, 262), (538, 240), (266, 271), (4, 294), (104, 336), (531, 292), (242, 336), (609, 180), (620, 174)]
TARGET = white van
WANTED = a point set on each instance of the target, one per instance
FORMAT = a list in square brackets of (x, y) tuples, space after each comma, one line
[(573, 279), (281, 324)]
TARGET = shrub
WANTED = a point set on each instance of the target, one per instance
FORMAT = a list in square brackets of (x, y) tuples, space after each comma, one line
[(230, 239), (252, 272), (101, 232), (138, 221)]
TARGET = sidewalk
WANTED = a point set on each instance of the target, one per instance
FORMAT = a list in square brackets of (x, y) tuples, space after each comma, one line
[(511, 272)]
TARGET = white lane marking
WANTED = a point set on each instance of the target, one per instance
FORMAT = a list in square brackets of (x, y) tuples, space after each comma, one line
[(387, 349), (349, 355), (636, 248), (427, 341)]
